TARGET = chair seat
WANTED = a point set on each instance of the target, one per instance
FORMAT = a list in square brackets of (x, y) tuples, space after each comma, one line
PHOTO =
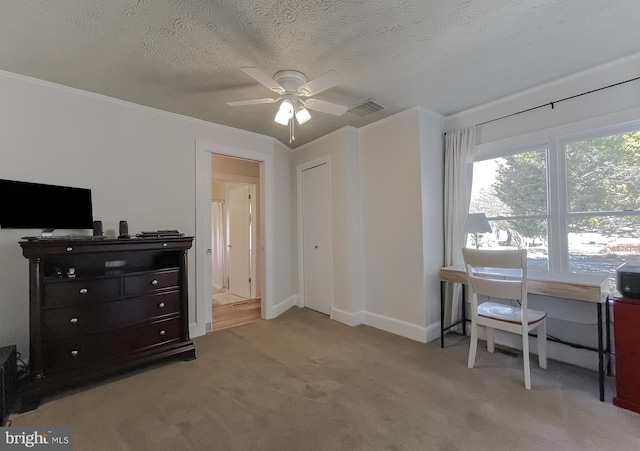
[(508, 313)]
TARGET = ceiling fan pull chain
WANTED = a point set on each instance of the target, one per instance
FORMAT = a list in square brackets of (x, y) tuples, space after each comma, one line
[(292, 136)]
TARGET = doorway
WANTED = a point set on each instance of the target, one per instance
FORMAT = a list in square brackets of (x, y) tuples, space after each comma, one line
[(235, 238)]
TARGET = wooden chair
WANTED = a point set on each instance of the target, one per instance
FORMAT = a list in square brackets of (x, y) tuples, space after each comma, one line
[(503, 274)]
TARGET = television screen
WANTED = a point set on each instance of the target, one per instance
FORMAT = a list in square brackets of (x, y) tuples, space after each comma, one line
[(37, 206)]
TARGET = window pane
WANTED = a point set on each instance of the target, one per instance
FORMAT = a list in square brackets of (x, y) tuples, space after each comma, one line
[(600, 244), (603, 174), (516, 234), (515, 185)]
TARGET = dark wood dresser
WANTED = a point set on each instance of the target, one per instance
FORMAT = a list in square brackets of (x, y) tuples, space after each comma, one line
[(99, 307)]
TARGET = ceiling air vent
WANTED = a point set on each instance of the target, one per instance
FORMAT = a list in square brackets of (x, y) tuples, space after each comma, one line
[(367, 107)]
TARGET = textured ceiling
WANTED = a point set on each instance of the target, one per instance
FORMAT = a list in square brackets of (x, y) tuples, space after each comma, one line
[(185, 56)]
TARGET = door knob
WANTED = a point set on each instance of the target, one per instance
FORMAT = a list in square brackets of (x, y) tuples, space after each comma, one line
[(316, 246)]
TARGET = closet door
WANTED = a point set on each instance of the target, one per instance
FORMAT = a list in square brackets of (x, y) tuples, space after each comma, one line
[(317, 265)]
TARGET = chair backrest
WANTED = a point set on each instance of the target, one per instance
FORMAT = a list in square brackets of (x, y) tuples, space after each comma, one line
[(497, 273)]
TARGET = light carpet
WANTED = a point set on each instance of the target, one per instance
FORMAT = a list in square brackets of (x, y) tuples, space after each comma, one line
[(304, 382)]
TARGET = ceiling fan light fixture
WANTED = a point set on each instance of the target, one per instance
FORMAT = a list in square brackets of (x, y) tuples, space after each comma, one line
[(285, 112), (302, 114)]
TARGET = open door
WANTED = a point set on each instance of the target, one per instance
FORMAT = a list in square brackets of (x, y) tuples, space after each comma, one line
[(239, 242)]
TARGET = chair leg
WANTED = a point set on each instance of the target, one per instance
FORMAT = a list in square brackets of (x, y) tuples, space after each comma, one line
[(490, 340), (525, 357), (473, 345), (542, 344)]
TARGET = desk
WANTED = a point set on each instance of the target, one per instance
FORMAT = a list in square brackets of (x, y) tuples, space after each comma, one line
[(580, 287)]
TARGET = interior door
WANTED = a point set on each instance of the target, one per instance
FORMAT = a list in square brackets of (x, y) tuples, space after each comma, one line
[(239, 249), (316, 266)]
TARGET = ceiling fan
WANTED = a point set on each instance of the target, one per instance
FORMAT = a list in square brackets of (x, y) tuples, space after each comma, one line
[(294, 91)]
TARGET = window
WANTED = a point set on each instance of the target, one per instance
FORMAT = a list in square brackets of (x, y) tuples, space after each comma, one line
[(574, 202), (603, 201)]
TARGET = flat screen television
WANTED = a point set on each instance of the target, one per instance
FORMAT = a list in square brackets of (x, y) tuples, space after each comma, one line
[(26, 205)]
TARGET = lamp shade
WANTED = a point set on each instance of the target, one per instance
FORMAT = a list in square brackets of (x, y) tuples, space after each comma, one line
[(285, 112), (477, 223), (302, 114)]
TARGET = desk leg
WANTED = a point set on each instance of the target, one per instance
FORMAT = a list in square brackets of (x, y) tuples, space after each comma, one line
[(600, 353), (442, 314), (464, 311), (607, 328), (452, 324)]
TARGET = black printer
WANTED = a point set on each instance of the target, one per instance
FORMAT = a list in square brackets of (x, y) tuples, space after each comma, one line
[(628, 279)]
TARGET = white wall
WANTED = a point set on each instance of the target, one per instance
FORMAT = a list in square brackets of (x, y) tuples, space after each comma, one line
[(395, 177), (284, 262), (139, 164), (432, 183), (570, 320), (391, 211), (613, 100), (386, 185)]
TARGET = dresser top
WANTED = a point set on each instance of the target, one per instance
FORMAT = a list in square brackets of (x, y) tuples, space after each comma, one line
[(66, 245)]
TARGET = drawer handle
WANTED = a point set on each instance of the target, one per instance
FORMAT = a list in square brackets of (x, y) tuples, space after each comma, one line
[(164, 244), (154, 282), (83, 291), (161, 305), (74, 353), (162, 332), (73, 320), (69, 249)]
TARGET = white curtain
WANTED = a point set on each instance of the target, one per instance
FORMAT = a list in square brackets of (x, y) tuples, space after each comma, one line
[(458, 167), (218, 245)]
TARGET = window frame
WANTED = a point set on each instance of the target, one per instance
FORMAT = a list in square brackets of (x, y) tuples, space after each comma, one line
[(555, 140), (538, 146)]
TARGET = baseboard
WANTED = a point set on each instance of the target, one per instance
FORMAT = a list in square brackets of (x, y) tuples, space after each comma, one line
[(196, 330), (402, 328), (285, 305), (396, 326), (433, 331), (348, 318)]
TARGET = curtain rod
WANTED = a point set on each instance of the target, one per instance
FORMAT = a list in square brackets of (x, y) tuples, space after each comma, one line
[(553, 103)]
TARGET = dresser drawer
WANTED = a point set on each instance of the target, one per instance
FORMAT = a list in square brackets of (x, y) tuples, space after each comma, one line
[(147, 282), (71, 291), (102, 347), (67, 322)]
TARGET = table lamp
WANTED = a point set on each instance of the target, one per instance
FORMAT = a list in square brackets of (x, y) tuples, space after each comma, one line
[(476, 223)]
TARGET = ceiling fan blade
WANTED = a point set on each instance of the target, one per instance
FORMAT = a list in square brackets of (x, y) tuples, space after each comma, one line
[(251, 102), (319, 84), (325, 107), (263, 78)]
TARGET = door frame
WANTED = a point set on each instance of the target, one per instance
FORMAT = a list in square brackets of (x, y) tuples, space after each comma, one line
[(203, 179), (326, 159)]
